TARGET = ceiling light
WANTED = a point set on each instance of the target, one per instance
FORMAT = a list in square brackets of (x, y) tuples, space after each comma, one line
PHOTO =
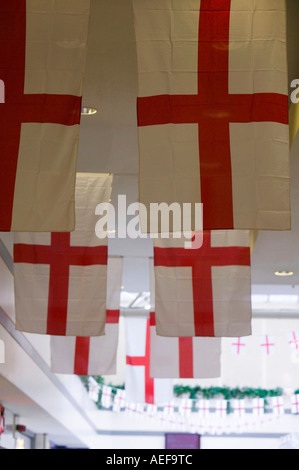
[(283, 273), (88, 111)]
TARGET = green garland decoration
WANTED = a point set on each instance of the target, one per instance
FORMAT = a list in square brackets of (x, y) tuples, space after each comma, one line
[(226, 392)]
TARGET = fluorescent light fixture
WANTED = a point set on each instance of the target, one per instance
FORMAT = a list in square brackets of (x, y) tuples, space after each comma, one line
[(283, 273), (87, 111)]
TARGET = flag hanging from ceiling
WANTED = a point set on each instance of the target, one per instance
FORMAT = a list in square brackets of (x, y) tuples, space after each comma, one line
[(139, 385), (213, 109), (43, 47), (204, 291), (60, 278), (184, 357), (94, 355)]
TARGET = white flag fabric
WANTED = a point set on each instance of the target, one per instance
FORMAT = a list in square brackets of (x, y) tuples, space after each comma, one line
[(277, 406), (221, 408), (60, 278), (258, 406), (213, 109), (295, 404), (239, 408), (94, 355), (106, 398), (203, 407), (204, 291), (184, 357), (119, 400), (139, 386)]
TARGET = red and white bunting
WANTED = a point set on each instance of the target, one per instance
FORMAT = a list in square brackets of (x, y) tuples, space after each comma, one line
[(203, 408), (93, 389), (151, 411), (239, 408), (221, 408), (61, 278), (185, 407), (294, 340), (268, 345), (258, 406), (106, 398), (130, 408), (168, 408), (213, 109), (139, 411), (295, 404), (277, 406), (238, 346), (119, 402)]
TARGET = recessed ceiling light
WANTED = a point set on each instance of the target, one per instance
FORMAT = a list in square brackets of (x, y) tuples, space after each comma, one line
[(88, 111), (283, 273)]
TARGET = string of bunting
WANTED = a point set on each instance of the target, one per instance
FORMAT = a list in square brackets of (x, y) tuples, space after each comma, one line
[(113, 397), (243, 410)]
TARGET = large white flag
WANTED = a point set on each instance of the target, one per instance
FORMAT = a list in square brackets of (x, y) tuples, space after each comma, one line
[(204, 291), (94, 355), (184, 357), (60, 278), (213, 109), (139, 385), (43, 47)]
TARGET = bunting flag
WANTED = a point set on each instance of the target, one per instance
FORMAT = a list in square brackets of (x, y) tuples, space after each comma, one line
[(295, 404), (239, 408), (213, 109), (238, 346), (139, 386), (294, 340), (268, 345), (60, 278), (203, 407), (204, 291), (119, 400), (184, 357), (43, 47), (221, 408), (92, 355), (258, 406), (277, 405)]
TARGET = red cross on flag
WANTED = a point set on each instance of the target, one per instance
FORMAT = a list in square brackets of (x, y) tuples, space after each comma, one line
[(294, 340), (119, 400), (60, 278), (140, 386), (221, 408), (295, 404), (258, 406), (106, 397), (184, 357), (239, 408), (238, 346), (94, 355), (213, 109), (204, 291), (268, 345), (42, 59), (277, 405), (203, 407)]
